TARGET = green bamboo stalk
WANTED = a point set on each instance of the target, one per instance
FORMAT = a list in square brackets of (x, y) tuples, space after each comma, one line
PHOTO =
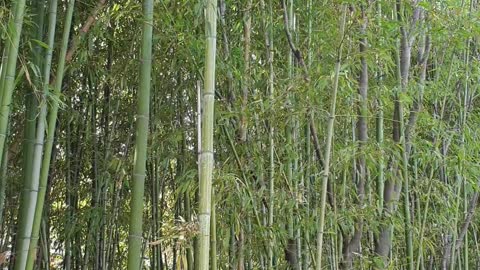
[(424, 218), (213, 235), (361, 128), (460, 170), (307, 176), (6, 49), (30, 191), (206, 159), (384, 241), (154, 210), (404, 68), (52, 120), (141, 141), (465, 239), (406, 196), (7, 81), (45, 246), (31, 102), (30, 99), (330, 130), (466, 98), (271, 142), (3, 69), (188, 214), (3, 183), (290, 248), (380, 130), (451, 246), (308, 155), (247, 25), (231, 244), (381, 162)]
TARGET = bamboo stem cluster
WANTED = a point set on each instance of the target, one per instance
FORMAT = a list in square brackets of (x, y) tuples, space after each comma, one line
[(330, 135)]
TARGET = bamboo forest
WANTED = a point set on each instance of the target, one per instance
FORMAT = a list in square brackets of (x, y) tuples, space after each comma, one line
[(239, 134)]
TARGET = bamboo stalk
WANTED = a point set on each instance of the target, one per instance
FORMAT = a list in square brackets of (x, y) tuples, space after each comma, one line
[(135, 238), (3, 185), (247, 25), (353, 244), (271, 140), (8, 78), (52, 119), (206, 159), (213, 235), (31, 185), (330, 130)]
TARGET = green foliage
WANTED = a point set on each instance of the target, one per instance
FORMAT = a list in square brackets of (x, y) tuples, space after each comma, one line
[(89, 189)]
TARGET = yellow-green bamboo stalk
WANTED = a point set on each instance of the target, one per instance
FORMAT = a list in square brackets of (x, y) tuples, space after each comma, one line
[(330, 130), (379, 127), (3, 183), (213, 235), (52, 120), (8, 80), (271, 142), (30, 98), (206, 153), (135, 239), (247, 25), (30, 191)]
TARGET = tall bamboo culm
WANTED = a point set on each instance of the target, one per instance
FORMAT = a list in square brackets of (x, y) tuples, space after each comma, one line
[(8, 78), (330, 129), (30, 189), (51, 122), (141, 138), (206, 150), (271, 133)]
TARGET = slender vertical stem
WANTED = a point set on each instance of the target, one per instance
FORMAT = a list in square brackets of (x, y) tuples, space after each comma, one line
[(3, 184), (308, 155), (392, 189), (290, 248), (206, 159), (360, 166), (52, 119), (271, 142), (135, 238), (213, 235), (30, 191), (8, 78), (31, 102), (424, 219), (330, 130), (247, 25)]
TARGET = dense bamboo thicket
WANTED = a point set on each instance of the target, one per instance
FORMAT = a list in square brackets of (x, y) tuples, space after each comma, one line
[(228, 134)]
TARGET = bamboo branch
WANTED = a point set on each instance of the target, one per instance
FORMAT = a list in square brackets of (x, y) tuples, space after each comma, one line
[(84, 30)]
